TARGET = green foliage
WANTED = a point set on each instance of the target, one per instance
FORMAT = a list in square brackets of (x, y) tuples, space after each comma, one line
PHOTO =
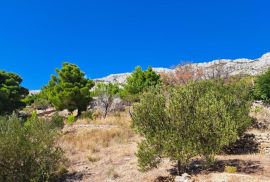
[(87, 115), (11, 92), (71, 119), (138, 82), (109, 90), (57, 121), (28, 152), (230, 169), (262, 87), (39, 100), (257, 109), (69, 89), (198, 118), (30, 99), (105, 94), (41, 103)]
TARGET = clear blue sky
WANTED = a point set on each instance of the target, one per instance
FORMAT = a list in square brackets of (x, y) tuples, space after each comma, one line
[(112, 36)]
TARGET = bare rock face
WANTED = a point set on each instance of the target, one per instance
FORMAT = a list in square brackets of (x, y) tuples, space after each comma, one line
[(232, 67), (240, 66), (122, 77), (114, 78)]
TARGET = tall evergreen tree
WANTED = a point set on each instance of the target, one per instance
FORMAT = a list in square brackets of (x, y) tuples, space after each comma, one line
[(138, 82), (11, 92), (69, 89)]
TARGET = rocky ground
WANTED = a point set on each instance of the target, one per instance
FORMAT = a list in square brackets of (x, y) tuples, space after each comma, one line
[(104, 150)]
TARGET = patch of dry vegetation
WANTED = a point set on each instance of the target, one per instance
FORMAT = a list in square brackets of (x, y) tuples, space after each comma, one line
[(85, 145), (261, 115), (94, 139), (106, 151)]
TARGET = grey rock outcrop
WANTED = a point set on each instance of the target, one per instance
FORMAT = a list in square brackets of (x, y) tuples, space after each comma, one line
[(183, 178), (232, 67)]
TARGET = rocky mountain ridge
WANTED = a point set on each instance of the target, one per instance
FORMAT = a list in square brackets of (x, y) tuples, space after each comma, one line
[(233, 67)]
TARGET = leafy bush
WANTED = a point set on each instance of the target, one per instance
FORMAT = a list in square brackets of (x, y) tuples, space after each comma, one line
[(30, 99), (71, 119), (87, 115), (57, 121), (230, 169), (28, 151), (198, 118), (262, 87), (41, 103), (97, 114)]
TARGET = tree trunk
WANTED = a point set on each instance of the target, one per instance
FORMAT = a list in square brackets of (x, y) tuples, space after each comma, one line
[(106, 111), (179, 168), (79, 113)]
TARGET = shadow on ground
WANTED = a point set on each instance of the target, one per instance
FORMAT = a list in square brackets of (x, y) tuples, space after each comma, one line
[(69, 177), (198, 167), (245, 145)]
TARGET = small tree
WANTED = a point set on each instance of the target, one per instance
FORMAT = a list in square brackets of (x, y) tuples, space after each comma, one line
[(198, 118), (138, 82), (182, 74), (69, 89), (105, 94), (11, 92), (262, 87)]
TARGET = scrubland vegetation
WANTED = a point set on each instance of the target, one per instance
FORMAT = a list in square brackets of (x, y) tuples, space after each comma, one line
[(176, 117), (28, 150)]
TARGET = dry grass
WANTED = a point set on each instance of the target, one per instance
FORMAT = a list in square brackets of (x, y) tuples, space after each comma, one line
[(117, 118), (262, 114), (108, 153), (93, 158), (93, 139), (86, 145), (111, 173)]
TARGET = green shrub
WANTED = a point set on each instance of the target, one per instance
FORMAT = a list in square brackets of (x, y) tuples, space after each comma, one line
[(262, 87), (257, 109), (97, 114), (198, 118), (71, 119), (57, 121), (230, 169), (87, 115), (41, 103), (28, 151)]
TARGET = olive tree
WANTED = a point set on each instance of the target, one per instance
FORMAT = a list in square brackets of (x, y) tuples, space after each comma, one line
[(198, 118), (69, 89), (105, 94)]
